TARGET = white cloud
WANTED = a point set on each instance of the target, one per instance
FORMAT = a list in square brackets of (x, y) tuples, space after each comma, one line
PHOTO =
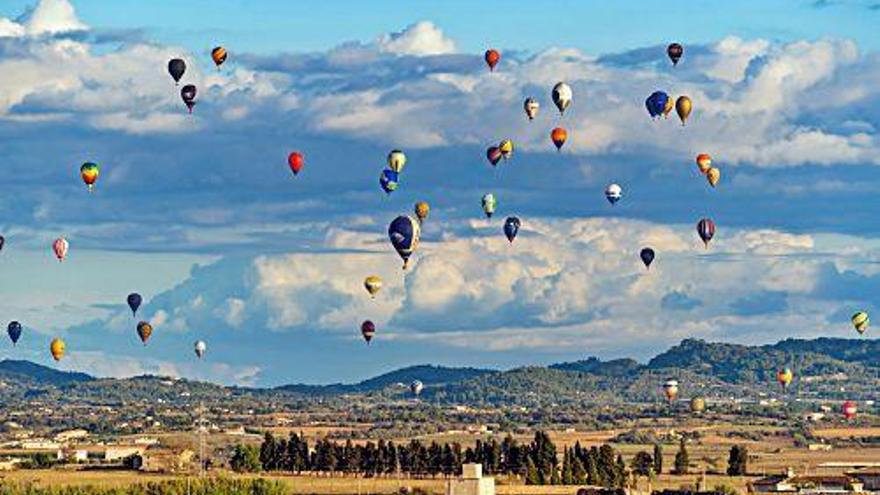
[(420, 39), (47, 17)]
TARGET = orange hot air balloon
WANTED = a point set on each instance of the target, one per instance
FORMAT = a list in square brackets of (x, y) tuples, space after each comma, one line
[(558, 136), (296, 160), (713, 175), (784, 377), (57, 349), (89, 173), (144, 330), (704, 162), (492, 57), (218, 55)]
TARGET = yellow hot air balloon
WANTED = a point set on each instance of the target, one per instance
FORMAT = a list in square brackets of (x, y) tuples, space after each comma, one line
[(860, 321), (698, 404), (57, 349), (784, 377), (683, 108), (713, 175), (421, 209), (396, 161), (506, 148), (373, 284), (668, 108), (704, 162)]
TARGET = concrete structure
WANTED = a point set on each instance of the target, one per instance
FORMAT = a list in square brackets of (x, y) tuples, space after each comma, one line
[(869, 477), (813, 485), (68, 435), (119, 452), (166, 461), (471, 482)]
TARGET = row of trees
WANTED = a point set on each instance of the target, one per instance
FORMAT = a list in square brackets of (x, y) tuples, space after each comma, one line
[(643, 464)]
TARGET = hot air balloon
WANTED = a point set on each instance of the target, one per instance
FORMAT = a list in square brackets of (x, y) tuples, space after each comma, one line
[(489, 204), (674, 51), (698, 404), (492, 57), (296, 160), (218, 55), (89, 172), (2, 242), (373, 284), (416, 387), (704, 162), (670, 389), (706, 230), (647, 256), (368, 329), (511, 228), (562, 96), (656, 103), (404, 235), (506, 148), (683, 108), (849, 409), (188, 95), (493, 154), (860, 321), (200, 347), (421, 210), (613, 193), (57, 348), (14, 330), (60, 247), (531, 106), (713, 175), (784, 377), (396, 161), (388, 181), (558, 136), (134, 301), (176, 67), (144, 330)]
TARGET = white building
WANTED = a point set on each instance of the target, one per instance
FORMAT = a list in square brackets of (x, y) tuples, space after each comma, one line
[(471, 482)]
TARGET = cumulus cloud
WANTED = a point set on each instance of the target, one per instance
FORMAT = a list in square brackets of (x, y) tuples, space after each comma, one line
[(420, 39), (47, 17)]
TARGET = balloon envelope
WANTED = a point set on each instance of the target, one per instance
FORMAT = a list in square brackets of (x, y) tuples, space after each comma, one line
[(656, 103), (388, 181), (493, 154), (403, 232), (60, 248), (784, 377), (188, 95), (683, 108), (531, 107), (674, 51), (134, 301), (492, 57), (613, 193), (144, 330), (396, 160), (562, 96), (647, 256), (57, 349), (416, 387), (14, 330), (861, 321), (89, 173), (176, 67), (713, 175), (421, 209), (295, 161), (200, 348), (511, 228), (558, 135), (704, 162), (373, 284), (218, 55), (706, 230), (489, 204), (368, 329)]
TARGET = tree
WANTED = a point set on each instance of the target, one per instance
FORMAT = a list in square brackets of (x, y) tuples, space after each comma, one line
[(658, 458), (245, 459), (567, 473), (578, 472), (532, 477), (737, 462), (682, 460), (642, 463)]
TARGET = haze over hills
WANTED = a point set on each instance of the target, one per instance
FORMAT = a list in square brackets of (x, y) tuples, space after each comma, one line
[(824, 368)]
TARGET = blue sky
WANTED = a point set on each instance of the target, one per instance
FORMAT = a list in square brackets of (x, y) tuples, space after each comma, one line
[(202, 216)]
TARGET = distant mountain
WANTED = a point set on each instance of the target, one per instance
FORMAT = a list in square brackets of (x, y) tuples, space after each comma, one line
[(38, 374), (595, 366), (434, 375)]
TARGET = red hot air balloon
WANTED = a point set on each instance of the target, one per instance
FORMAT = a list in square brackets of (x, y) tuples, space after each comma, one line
[(559, 136), (849, 409), (368, 329), (493, 154), (492, 57), (296, 160)]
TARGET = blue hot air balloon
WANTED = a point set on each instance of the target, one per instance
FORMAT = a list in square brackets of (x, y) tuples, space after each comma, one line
[(647, 256), (656, 103), (134, 302), (14, 331), (404, 235), (388, 181), (511, 227)]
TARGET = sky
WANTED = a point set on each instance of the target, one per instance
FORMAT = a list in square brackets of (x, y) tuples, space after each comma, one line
[(201, 215)]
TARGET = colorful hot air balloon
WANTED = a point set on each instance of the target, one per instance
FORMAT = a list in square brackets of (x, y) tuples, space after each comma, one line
[(144, 330), (706, 230), (656, 103), (613, 193), (683, 108), (492, 57), (511, 228), (134, 301), (200, 347), (506, 148), (531, 106), (416, 387), (89, 172), (373, 284), (704, 162), (698, 404), (674, 51), (849, 409), (57, 348), (861, 321), (14, 330), (404, 235), (368, 329), (421, 210), (388, 181), (188, 95), (647, 256), (670, 389), (488, 203), (296, 161), (218, 55), (562, 96), (558, 136), (668, 108), (176, 67), (713, 175), (784, 377), (396, 161), (60, 247), (493, 154)]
